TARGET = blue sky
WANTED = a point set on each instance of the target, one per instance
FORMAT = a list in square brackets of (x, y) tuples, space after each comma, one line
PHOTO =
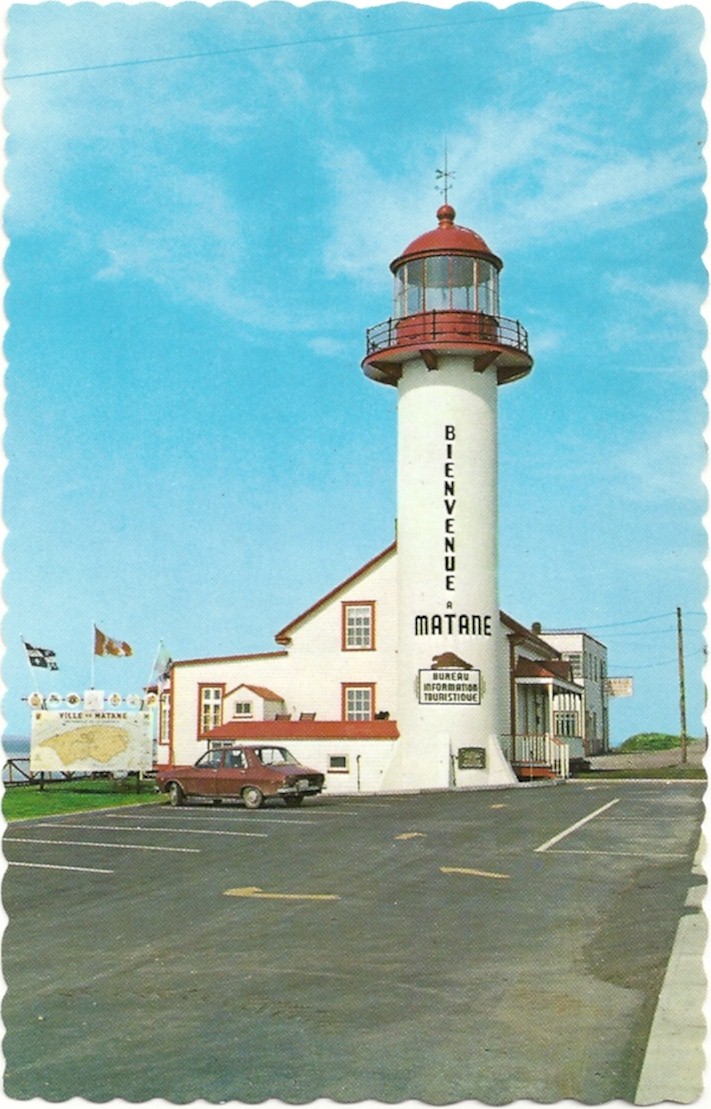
[(197, 245)]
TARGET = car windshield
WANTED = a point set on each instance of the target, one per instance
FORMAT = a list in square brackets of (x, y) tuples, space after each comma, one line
[(276, 756)]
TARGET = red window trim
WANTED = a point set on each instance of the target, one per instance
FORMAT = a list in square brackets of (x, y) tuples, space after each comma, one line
[(208, 685), (345, 605), (345, 686)]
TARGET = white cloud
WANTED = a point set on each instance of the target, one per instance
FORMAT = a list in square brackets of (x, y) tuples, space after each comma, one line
[(328, 347), (664, 466), (524, 175)]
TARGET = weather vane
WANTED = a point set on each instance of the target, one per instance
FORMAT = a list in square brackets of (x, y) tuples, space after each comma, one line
[(445, 176)]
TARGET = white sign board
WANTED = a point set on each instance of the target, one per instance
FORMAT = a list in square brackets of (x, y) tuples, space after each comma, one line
[(450, 687), (89, 741), (619, 687)]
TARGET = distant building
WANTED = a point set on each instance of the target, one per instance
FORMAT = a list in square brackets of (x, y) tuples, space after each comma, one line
[(588, 662)]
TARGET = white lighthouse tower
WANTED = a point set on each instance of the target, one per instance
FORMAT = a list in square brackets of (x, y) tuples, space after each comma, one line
[(446, 350)]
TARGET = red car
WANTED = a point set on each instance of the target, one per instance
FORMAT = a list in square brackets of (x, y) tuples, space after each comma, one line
[(248, 773)]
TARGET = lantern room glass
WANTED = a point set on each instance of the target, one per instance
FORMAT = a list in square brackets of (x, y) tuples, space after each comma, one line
[(447, 282)]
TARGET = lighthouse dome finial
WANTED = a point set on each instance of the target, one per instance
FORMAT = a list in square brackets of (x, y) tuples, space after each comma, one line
[(445, 215)]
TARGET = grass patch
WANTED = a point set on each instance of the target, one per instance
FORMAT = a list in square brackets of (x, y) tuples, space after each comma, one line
[(651, 741), (80, 795), (665, 772)]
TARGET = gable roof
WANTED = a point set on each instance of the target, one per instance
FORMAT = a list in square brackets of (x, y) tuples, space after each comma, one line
[(522, 632), (284, 636), (260, 690), (228, 658), (556, 672)]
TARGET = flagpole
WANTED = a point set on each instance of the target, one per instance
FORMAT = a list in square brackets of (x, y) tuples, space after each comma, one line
[(155, 661), (27, 657), (93, 653)]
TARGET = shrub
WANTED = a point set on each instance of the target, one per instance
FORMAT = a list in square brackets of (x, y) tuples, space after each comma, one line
[(651, 741)]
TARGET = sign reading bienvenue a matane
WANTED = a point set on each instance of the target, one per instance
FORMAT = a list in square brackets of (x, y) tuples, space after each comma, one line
[(110, 741)]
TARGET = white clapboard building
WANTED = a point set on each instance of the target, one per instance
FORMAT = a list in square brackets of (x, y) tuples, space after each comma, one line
[(329, 693)]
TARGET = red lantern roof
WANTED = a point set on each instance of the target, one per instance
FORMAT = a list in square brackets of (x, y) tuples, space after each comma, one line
[(447, 238)]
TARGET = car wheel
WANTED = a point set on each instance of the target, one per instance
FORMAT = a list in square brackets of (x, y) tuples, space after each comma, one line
[(253, 798), (175, 794), (293, 802)]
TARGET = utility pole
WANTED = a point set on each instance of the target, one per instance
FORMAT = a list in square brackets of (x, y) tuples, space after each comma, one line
[(682, 689)]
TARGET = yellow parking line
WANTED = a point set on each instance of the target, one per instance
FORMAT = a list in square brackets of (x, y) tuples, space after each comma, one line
[(409, 835), (255, 891), (469, 870)]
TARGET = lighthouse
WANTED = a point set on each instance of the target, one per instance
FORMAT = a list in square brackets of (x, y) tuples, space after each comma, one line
[(446, 350)]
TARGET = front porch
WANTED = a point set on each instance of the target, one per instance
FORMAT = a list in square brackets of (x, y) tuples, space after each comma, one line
[(545, 720), (534, 757)]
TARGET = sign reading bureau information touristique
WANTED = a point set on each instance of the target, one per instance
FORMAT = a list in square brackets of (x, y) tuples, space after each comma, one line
[(109, 741), (450, 687)]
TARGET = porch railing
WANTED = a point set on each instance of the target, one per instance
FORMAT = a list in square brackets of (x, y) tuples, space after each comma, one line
[(538, 749)]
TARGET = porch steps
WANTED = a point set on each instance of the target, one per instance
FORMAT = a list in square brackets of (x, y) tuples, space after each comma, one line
[(527, 771)]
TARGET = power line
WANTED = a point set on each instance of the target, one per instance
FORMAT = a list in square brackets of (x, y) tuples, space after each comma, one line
[(653, 665), (291, 42), (641, 620)]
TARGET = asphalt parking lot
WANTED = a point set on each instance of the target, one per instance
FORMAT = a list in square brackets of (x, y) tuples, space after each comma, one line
[(490, 945)]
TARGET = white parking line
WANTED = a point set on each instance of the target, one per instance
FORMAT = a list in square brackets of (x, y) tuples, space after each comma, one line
[(155, 828), (578, 824), (253, 817), (56, 866), (90, 843), (630, 854)]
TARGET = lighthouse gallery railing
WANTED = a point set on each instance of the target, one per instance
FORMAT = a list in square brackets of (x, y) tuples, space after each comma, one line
[(447, 325)]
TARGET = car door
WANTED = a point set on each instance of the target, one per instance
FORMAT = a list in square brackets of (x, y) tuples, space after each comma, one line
[(231, 778), (201, 779)]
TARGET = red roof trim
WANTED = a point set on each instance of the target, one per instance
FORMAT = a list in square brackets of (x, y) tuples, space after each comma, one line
[(260, 690), (525, 633), (253, 730), (228, 658), (284, 635)]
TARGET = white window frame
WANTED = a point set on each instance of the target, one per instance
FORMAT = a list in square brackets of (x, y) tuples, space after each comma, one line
[(211, 702), (358, 636), (358, 701)]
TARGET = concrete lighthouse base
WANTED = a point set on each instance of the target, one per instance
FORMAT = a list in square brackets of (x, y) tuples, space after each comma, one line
[(443, 765)]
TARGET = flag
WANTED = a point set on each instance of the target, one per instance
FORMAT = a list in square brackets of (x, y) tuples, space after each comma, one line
[(105, 646), (161, 666), (41, 656)]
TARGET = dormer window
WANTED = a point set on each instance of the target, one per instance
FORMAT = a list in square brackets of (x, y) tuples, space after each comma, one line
[(242, 710)]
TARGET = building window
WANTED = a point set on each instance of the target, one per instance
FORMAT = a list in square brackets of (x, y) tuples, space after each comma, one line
[(358, 631), (576, 663), (358, 702), (566, 724), (164, 719), (242, 709), (210, 707), (338, 764)]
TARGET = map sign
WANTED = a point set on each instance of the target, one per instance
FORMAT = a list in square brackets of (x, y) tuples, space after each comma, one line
[(90, 741)]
